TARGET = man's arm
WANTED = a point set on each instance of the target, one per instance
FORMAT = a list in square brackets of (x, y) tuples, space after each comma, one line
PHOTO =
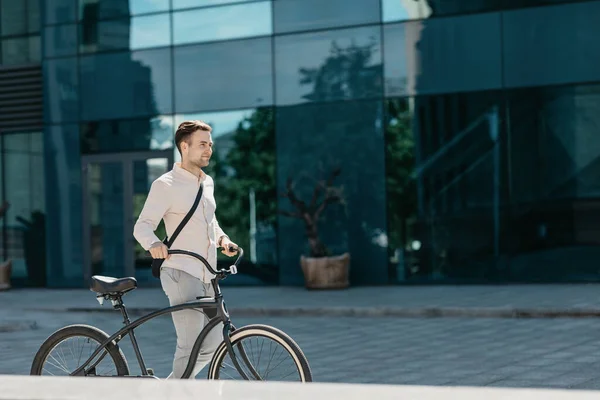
[(155, 207)]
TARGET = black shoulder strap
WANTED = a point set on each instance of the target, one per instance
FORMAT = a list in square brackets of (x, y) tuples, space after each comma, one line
[(187, 217)]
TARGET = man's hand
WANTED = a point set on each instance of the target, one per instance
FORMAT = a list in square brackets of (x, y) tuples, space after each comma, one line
[(229, 248), (159, 250)]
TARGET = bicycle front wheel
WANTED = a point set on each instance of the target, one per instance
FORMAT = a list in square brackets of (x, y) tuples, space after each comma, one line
[(264, 353)]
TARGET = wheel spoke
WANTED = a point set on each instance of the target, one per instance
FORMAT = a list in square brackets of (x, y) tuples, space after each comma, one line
[(280, 365), (78, 349)]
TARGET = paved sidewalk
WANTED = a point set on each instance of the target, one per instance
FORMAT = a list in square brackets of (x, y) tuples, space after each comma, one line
[(498, 301)]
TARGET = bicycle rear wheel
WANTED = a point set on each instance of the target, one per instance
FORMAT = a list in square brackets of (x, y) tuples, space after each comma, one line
[(264, 353), (69, 347)]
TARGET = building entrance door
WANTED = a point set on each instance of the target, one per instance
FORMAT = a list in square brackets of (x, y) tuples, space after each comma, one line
[(115, 187)]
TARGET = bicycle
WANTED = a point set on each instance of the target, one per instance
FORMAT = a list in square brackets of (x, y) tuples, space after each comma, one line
[(114, 289)]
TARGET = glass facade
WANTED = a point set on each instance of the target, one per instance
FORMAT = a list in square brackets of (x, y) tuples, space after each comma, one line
[(463, 132)]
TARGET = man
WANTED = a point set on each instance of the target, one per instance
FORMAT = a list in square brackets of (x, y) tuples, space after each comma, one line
[(184, 278)]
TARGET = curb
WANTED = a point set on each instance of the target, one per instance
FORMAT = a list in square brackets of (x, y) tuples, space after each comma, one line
[(381, 312), (18, 326)]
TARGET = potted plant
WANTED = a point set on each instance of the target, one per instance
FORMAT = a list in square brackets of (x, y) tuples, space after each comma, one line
[(321, 269)]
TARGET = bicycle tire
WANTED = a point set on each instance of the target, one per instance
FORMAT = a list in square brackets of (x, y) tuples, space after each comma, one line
[(265, 331), (86, 331)]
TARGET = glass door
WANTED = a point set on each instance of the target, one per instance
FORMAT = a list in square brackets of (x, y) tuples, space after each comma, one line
[(115, 187)]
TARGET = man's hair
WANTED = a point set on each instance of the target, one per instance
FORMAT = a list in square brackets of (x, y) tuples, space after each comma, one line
[(185, 130)]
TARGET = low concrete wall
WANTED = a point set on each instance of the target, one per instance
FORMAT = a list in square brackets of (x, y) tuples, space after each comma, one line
[(15, 387)]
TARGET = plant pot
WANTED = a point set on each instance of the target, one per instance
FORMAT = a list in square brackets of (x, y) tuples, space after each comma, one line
[(5, 273), (326, 272)]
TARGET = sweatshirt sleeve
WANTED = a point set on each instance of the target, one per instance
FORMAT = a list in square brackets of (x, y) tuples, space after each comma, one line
[(218, 231), (155, 207)]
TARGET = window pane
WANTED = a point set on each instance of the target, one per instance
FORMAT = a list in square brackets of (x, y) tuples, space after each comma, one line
[(202, 3), (243, 168), (61, 90), (60, 11), (555, 182), (13, 17), (325, 66), (220, 23), (127, 135), (105, 9), (312, 141), (63, 174), (444, 208), (131, 33), (299, 15), (552, 45), (60, 40), (209, 77), (398, 10), (443, 55), (25, 217), (125, 85), (34, 16), (21, 50), (148, 6)]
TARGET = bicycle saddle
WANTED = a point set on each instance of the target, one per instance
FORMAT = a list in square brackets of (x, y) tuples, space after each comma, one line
[(106, 284)]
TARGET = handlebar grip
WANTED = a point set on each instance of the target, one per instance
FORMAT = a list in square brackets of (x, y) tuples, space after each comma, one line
[(232, 269)]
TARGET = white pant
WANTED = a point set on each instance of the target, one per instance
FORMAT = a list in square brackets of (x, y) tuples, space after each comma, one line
[(181, 287)]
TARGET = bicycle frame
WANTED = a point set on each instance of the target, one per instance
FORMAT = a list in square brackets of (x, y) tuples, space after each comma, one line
[(215, 302)]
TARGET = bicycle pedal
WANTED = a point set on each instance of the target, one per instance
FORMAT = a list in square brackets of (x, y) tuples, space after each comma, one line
[(150, 371)]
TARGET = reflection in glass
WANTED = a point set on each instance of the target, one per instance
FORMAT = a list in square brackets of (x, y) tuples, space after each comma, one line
[(243, 168), (555, 183), (551, 45), (34, 15), (326, 66), (202, 3), (22, 50), (312, 140), (444, 193), (126, 85), (13, 17), (437, 55), (60, 11), (148, 6), (221, 23), (62, 173), (154, 133), (209, 77), (94, 9), (61, 90), (60, 40), (144, 173), (399, 10), (131, 33), (105, 202), (25, 218), (294, 15)]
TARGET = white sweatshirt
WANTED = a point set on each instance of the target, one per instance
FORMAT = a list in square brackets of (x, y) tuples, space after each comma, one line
[(170, 198)]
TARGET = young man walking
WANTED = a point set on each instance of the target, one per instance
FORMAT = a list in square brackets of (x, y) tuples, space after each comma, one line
[(184, 278)]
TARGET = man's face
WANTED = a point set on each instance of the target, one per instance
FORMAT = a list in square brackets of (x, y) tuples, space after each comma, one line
[(199, 149)]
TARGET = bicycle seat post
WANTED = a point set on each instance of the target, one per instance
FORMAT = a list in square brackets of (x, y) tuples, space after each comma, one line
[(117, 303)]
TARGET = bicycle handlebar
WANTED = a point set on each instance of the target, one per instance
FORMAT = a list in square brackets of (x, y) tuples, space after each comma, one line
[(231, 270)]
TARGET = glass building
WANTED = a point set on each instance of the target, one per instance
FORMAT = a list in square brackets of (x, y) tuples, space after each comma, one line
[(466, 133)]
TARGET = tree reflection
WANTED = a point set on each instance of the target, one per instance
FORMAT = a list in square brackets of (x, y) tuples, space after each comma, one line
[(245, 166), (346, 73)]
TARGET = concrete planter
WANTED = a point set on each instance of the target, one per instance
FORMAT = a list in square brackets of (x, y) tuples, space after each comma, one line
[(326, 272)]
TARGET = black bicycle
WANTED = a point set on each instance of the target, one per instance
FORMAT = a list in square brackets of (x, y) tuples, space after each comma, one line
[(239, 353)]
